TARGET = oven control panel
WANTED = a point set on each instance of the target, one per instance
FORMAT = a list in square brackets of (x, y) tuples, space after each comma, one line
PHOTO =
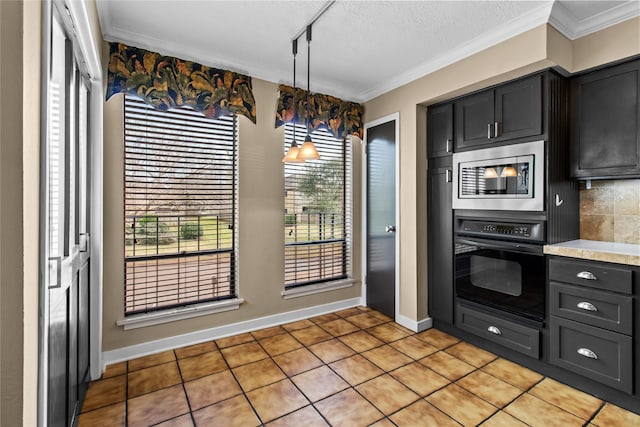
[(513, 230), (501, 230)]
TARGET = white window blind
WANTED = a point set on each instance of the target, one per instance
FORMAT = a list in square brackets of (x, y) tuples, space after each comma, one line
[(317, 214), (180, 207)]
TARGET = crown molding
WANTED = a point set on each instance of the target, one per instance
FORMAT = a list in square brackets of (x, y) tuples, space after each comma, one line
[(572, 28), (536, 17)]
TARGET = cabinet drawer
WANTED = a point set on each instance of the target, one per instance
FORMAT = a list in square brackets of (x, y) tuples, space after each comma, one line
[(603, 356), (592, 275), (509, 334), (602, 309)]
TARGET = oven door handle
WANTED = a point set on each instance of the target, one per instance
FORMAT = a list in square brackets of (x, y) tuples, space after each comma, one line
[(503, 246)]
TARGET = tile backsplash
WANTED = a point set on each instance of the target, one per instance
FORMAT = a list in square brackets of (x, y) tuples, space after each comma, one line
[(610, 211)]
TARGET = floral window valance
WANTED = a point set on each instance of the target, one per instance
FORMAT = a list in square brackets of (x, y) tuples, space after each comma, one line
[(341, 118), (167, 82)]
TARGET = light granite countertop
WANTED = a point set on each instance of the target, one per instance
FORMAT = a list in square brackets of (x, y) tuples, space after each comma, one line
[(621, 253)]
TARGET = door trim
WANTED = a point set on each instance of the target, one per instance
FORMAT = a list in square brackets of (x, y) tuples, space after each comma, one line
[(389, 118)]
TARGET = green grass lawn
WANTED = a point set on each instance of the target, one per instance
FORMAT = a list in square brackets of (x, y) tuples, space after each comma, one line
[(216, 234)]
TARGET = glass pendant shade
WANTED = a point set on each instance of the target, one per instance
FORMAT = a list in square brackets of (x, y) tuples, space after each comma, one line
[(308, 150), (292, 154), (509, 171), (490, 173)]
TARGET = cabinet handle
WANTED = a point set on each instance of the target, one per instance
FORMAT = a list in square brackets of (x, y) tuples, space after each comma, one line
[(495, 130), (587, 275), (587, 306), (587, 353), (447, 176), (494, 330), (488, 130), (448, 146)]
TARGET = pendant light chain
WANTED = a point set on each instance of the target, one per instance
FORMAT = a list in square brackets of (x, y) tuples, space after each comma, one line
[(309, 80), (292, 154), (308, 150)]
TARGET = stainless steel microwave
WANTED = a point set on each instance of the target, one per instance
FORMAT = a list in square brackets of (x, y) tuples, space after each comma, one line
[(509, 177)]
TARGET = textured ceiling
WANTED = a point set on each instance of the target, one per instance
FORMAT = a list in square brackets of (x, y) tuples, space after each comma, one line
[(360, 49)]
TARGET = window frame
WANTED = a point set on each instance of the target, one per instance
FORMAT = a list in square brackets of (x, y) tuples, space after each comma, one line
[(201, 306), (307, 287)]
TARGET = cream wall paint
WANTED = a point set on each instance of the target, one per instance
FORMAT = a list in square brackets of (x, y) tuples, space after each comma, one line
[(608, 45), (32, 59), (536, 49), (20, 41), (261, 229)]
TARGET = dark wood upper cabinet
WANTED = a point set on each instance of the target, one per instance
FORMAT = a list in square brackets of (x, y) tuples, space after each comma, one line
[(440, 131), (474, 119), (518, 110), (510, 111), (605, 123)]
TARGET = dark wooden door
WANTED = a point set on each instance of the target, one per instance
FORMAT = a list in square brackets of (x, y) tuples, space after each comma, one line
[(65, 358), (440, 131), (605, 122), (518, 109), (440, 241), (474, 119), (381, 217)]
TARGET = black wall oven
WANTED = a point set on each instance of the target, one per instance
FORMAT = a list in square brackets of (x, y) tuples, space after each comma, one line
[(500, 264)]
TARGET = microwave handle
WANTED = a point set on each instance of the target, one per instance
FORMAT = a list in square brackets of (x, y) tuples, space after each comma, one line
[(509, 246)]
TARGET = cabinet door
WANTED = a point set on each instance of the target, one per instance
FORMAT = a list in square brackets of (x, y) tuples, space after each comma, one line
[(518, 109), (440, 131), (605, 137), (474, 120), (440, 244)]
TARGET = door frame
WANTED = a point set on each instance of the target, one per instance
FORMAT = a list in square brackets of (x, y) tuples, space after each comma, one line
[(394, 117), (90, 49)]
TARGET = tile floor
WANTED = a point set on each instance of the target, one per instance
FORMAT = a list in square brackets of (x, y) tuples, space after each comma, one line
[(354, 367)]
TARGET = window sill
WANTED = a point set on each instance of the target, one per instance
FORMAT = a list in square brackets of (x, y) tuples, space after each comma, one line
[(181, 313), (316, 288)]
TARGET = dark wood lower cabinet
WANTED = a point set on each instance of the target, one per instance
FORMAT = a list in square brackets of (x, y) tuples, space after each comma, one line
[(599, 354)]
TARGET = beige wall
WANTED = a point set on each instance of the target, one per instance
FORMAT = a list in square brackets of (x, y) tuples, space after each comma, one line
[(261, 228), (19, 212), (608, 45), (528, 52), (32, 59)]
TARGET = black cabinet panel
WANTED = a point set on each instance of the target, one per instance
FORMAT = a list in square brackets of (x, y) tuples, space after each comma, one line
[(520, 338), (605, 119), (440, 131), (440, 243), (596, 308), (510, 111), (474, 119), (592, 274), (596, 353), (519, 109)]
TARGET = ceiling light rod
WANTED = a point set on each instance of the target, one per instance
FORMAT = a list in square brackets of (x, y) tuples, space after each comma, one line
[(308, 150), (313, 20)]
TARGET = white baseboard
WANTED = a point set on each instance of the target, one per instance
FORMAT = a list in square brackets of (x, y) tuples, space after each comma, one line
[(415, 326), (151, 347)]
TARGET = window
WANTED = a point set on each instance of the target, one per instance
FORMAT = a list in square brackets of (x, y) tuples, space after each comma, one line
[(317, 220), (180, 207)]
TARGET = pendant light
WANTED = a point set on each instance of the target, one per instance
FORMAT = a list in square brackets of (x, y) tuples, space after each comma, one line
[(292, 154), (308, 149)]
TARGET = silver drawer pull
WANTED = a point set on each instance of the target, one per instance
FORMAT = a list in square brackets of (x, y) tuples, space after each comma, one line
[(587, 306), (587, 353), (494, 330), (587, 275)]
